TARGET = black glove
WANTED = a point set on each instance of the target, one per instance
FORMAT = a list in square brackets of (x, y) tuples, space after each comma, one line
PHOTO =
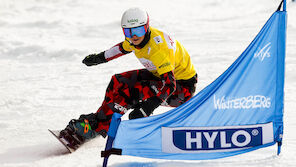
[(145, 108), (94, 59)]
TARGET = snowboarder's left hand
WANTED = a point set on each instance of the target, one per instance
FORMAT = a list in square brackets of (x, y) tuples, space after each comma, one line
[(145, 108)]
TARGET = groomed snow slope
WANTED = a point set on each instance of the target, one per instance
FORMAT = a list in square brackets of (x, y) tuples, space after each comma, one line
[(43, 83)]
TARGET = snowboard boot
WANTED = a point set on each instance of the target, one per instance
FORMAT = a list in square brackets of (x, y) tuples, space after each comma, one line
[(79, 131)]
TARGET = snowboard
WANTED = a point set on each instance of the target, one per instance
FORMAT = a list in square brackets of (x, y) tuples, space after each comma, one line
[(65, 143)]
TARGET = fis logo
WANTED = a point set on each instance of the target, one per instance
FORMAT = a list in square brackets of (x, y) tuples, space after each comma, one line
[(264, 52), (215, 139)]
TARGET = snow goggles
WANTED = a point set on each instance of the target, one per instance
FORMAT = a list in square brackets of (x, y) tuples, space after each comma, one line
[(138, 31)]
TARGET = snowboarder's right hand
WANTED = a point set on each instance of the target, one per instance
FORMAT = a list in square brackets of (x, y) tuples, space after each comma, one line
[(145, 108), (94, 59)]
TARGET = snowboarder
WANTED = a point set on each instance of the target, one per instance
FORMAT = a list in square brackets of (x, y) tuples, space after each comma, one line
[(169, 78)]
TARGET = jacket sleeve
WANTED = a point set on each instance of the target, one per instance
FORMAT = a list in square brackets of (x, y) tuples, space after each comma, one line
[(115, 52), (168, 86)]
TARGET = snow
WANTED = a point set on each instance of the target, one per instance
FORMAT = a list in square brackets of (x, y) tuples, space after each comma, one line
[(44, 84)]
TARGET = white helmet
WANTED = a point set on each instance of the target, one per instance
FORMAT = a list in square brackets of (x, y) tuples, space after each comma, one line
[(134, 17)]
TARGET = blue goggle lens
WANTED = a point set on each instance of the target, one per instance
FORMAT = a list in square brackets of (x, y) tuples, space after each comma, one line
[(138, 31)]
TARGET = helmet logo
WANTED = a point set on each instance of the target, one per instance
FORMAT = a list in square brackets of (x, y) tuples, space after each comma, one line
[(132, 20)]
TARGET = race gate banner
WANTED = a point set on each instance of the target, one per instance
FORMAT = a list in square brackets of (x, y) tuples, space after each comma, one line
[(242, 110)]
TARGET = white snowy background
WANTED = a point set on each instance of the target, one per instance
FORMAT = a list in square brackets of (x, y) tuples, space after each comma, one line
[(43, 83)]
